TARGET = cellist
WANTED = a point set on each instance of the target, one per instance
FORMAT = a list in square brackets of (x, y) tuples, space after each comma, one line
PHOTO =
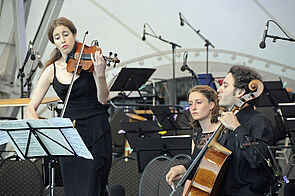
[(247, 135)]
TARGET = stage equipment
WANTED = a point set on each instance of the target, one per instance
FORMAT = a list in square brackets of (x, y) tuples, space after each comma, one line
[(273, 94), (207, 42), (262, 44), (184, 67), (32, 72), (21, 73), (173, 46), (208, 79), (131, 79), (144, 138)]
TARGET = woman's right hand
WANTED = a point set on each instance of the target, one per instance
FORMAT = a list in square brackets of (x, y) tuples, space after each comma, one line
[(175, 173)]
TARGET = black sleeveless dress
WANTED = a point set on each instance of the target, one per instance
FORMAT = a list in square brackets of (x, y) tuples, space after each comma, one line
[(82, 177)]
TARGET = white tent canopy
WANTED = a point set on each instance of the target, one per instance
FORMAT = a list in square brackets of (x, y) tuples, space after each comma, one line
[(234, 27)]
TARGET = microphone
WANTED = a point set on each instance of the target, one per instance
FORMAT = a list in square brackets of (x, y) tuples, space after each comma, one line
[(181, 19), (262, 44), (143, 35), (184, 65), (31, 48), (40, 64)]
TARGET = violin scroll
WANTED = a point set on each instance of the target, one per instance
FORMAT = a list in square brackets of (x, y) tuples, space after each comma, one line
[(256, 87)]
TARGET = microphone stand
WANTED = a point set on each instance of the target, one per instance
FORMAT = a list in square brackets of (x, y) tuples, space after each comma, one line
[(21, 76), (29, 80), (275, 38), (173, 46), (194, 75), (207, 44)]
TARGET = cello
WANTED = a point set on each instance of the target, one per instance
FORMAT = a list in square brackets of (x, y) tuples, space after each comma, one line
[(213, 157)]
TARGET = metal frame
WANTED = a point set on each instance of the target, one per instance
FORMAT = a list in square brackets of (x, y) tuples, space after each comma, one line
[(20, 12)]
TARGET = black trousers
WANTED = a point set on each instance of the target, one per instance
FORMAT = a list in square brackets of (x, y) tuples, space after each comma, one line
[(82, 177)]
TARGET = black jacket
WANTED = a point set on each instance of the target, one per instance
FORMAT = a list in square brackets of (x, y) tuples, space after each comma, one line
[(248, 173)]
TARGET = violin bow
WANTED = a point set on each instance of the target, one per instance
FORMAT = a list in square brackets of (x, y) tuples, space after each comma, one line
[(73, 78)]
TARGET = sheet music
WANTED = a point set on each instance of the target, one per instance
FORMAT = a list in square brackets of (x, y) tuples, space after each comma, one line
[(3, 137), (13, 124), (72, 136), (53, 139), (20, 137), (19, 140), (57, 142)]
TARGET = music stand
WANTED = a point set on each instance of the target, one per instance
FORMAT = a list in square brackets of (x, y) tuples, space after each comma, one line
[(288, 114), (273, 94), (144, 138), (149, 148), (183, 119), (39, 138), (165, 117), (140, 129), (131, 79)]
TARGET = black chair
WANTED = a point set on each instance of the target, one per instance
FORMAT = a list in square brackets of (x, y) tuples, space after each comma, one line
[(164, 188), (124, 171), (151, 176), (116, 190), (19, 178)]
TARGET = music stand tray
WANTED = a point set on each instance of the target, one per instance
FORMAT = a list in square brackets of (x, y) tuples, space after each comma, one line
[(140, 129), (131, 79), (149, 148)]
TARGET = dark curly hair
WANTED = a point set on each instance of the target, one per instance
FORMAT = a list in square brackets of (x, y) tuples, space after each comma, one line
[(211, 96), (243, 75)]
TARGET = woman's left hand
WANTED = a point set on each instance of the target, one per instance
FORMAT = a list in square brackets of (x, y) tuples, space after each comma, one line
[(99, 63)]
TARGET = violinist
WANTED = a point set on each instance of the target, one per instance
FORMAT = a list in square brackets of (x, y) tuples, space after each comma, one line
[(247, 135), (85, 105)]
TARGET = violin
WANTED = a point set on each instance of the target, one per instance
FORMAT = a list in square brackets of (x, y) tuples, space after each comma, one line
[(85, 62)]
